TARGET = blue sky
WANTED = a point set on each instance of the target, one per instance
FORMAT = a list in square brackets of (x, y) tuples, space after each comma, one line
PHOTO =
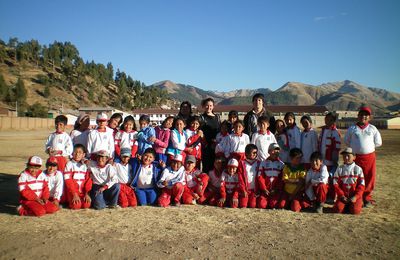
[(223, 45)]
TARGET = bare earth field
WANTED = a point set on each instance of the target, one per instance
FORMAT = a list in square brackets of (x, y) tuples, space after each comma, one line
[(196, 232)]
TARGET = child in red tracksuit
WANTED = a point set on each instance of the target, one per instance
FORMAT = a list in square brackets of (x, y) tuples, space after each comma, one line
[(317, 182), (126, 195), (349, 185), (248, 178), (77, 180), (195, 182), (364, 138), (293, 176), (229, 190), (59, 143), (171, 182), (269, 179), (212, 192), (126, 137), (33, 190), (194, 138), (236, 142), (329, 146)]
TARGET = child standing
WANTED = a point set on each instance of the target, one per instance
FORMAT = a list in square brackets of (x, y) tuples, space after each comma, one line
[(236, 142), (248, 178), (233, 116), (128, 136), (33, 190), (77, 180), (123, 170), (145, 134), (100, 139), (349, 184), (308, 140), (171, 182), (195, 182), (195, 136), (292, 130), (81, 130), (54, 180), (229, 189), (263, 138), (269, 179), (329, 146), (283, 140), (316, 182), (59, 143), (364, 138), (105, 189), (293, 178), (161, 139), (178, 139), (145, 177)]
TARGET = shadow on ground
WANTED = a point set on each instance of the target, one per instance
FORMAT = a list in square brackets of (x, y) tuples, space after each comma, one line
[(8, 193)]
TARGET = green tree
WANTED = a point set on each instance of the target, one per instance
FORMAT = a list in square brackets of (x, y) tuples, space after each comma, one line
[(46, 91), (3, 87), (20, 91), (37, 110)]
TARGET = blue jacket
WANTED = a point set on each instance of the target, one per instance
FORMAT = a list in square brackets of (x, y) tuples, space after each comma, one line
[(135, 164), (142, 138)]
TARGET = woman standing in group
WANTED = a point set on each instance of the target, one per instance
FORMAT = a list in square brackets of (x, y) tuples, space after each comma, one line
[(185, 112), (210, 125)]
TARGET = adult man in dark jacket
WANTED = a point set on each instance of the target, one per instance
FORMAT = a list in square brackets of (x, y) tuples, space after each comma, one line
[(250, 119)]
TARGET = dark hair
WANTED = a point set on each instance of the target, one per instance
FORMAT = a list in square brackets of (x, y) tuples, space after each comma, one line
[(144, 118), (80, 146), (204, 101), (186, 103), (258, 95), (238, 122), (177, 119), (289, 114), (249, 148), (78, 122), (280, 120), (61, 119), (233, 113), (307, 117), (295, 152), (128, 119), (168, 118), (150, 150), (117, 115), (331, 114), (315, 156), (263, 119), (195, 118), (225, 122)]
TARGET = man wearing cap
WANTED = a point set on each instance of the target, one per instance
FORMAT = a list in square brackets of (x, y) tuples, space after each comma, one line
[(349, 184), (171, 182), (34, 191), (195, 182), (364, 138), (100, 139)]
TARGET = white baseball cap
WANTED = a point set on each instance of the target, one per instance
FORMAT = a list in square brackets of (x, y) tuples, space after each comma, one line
[(35, 161), (233, 162)]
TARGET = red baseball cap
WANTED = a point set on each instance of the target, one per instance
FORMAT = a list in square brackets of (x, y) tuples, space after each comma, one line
[(51, 161), (366, 109)]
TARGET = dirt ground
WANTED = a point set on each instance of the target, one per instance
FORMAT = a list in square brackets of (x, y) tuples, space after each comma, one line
[(196, 232)]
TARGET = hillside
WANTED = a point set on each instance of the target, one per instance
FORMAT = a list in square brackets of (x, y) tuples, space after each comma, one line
[(343, 95), (40, 78)]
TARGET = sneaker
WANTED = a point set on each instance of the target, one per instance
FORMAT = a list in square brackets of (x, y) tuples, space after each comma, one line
[(368, 204), (320, 209), (177, 204), (113, 206), (19, 210)]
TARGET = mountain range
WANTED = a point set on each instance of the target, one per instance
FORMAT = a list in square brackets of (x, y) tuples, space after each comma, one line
[(342, 95)]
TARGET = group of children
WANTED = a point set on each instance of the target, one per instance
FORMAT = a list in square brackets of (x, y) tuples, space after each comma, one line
[(122, 167)]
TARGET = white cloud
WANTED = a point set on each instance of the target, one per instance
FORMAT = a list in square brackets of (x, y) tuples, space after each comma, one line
[(322, 18)]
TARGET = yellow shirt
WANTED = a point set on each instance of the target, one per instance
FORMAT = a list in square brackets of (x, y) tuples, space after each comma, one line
[(290, 173)]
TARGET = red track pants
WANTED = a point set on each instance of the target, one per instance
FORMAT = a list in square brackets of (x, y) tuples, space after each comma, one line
[(126, 196), (176, 193), (34, 208), (368, 164)]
